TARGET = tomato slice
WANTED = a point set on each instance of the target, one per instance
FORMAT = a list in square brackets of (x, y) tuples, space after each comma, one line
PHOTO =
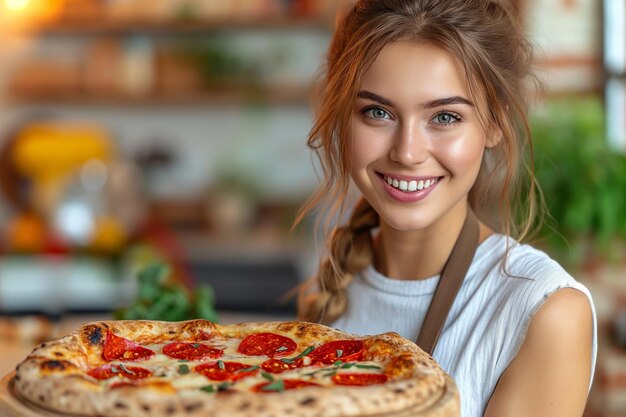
[(359, 379), (267, 344), (276, 366), (282, 385), (344, 350), (116, 347), (226, 371), (191, 351), (111, 370)]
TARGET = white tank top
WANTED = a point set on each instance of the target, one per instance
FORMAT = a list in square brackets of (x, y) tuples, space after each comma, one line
[(486, 324)]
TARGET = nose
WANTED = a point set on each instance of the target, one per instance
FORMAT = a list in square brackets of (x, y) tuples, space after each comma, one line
[(410, 145)]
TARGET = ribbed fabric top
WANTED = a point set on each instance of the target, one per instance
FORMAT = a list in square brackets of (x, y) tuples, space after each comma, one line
[(487, 323)]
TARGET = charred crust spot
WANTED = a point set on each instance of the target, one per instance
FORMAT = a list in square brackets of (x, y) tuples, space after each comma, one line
[(193, 407), (145, 407), (41, 398), (171, 332), (170, 410), (308, 401), (54, 365), (399, 391), (119, 404), (95, 336), (244, 406), (58, 354), (17, 378)]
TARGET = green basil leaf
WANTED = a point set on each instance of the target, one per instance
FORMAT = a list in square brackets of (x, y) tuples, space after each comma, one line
[(277, 386)]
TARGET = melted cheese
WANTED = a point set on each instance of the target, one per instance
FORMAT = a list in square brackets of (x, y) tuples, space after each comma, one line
[(167, 369)]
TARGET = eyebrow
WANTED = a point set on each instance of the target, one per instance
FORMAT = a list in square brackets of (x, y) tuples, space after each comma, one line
[(428, 105)]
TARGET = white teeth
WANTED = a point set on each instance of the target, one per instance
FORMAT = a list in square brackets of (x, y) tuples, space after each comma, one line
[(410, 186)]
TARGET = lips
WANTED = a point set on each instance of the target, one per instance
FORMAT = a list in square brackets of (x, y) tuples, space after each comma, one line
[(406, 189)]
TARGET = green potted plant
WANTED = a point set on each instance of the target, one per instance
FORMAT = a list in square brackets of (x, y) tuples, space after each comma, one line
[(583, 182)]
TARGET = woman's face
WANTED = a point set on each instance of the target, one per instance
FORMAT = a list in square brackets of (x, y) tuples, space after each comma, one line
[(416, 144)]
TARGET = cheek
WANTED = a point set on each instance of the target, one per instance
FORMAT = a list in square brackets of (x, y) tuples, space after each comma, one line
[(365, 145), (464, 155)]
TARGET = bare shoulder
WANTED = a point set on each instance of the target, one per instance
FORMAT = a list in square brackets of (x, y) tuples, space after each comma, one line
[(566, 313), (551, 372)]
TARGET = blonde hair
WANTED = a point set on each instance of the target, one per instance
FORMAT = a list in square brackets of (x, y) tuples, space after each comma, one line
[(487, 40)]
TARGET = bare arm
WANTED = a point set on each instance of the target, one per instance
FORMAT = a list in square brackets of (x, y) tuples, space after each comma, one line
[(550, 375)]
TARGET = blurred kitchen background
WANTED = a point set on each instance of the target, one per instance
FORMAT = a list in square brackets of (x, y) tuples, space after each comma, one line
[(174, 131)]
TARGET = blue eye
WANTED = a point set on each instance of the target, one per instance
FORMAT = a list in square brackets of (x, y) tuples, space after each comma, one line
[(446, 118), (376, 113)]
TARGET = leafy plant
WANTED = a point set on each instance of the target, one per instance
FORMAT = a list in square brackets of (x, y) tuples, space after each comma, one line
[(583, 181), (158, 299)]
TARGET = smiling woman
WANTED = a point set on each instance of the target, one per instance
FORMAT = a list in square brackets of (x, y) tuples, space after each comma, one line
[(423, 108)]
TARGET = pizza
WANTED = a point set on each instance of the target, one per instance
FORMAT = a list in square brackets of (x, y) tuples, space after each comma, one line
[(199, 368)]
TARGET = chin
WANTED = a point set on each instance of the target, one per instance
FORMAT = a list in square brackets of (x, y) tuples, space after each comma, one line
[(404, 223)]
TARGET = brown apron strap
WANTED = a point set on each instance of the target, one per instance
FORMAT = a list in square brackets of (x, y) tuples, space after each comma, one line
[(449, 284)]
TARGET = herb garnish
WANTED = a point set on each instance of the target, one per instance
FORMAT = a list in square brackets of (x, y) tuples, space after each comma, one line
[(277, 386), (303, 354), (281, 349), (125, 369), (183, 369), (267, 376), (339, 353), (195, 345), (250, 369), (224, 386), (340, 365), (221, 365), (367, 366)]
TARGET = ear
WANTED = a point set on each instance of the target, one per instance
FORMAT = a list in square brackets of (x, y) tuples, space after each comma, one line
[(494, 136)]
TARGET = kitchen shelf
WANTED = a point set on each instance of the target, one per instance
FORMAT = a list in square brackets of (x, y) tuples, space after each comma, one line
[(272, 96), (169, 27)]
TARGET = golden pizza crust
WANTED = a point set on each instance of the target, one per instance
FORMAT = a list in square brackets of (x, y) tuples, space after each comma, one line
[(54, 375)]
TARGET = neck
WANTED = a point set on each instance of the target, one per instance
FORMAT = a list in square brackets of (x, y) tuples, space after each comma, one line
[(419, 254)]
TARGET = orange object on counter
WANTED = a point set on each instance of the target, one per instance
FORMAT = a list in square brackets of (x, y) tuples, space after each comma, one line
[(26, 233)]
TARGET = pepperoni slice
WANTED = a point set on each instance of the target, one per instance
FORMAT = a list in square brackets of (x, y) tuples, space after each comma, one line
[(191, 351), (359, 379), (112, 370), (344, 350), (226, 371), (276, 366), (116, 347), (267, 344), (282, 385)]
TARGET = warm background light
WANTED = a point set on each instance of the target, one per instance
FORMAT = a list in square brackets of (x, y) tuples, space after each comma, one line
[(24, 14), (16, 5)]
